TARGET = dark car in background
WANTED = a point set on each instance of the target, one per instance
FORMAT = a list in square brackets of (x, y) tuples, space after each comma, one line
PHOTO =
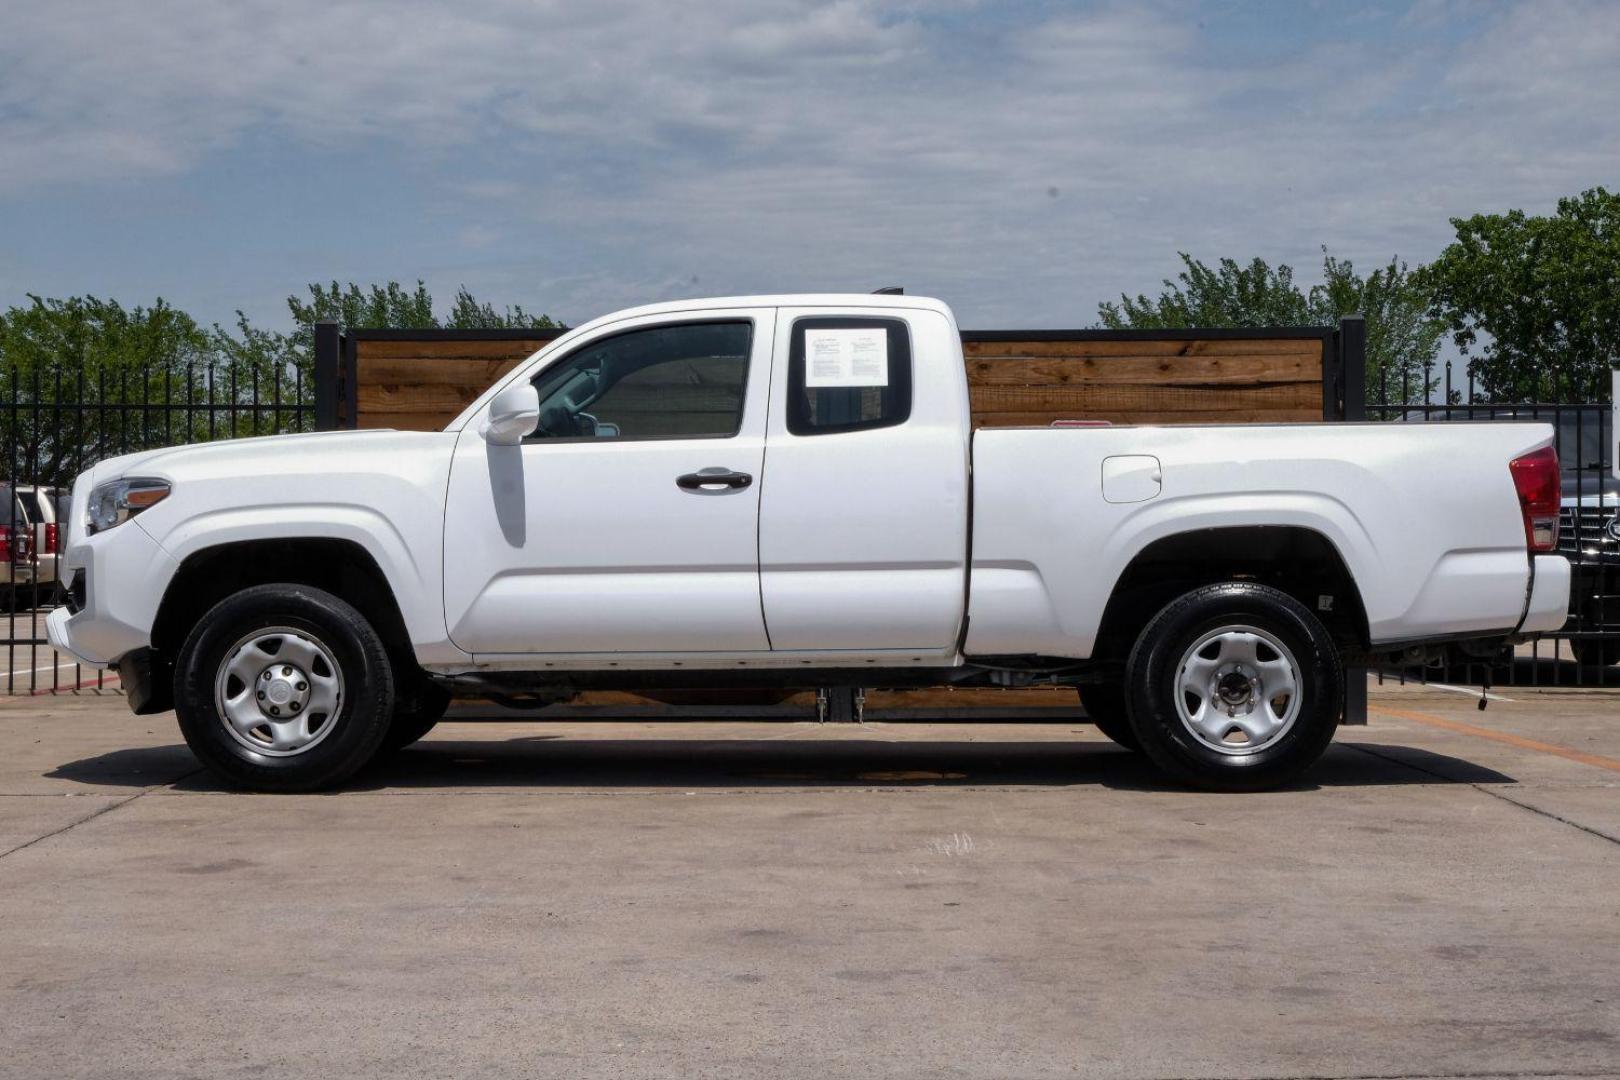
[(1589, 534)]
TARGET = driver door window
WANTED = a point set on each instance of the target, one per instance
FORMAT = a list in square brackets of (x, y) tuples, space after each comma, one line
[(667, 382)]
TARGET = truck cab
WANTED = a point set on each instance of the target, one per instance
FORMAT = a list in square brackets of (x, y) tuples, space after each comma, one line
[(782, 485)]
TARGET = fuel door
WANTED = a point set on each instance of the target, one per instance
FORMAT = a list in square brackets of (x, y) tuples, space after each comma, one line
[(1131, 478)]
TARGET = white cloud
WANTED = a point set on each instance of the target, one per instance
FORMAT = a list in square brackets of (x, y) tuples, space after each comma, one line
[(787, 144)]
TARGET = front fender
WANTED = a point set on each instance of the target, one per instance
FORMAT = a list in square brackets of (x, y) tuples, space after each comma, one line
[(409, 563)]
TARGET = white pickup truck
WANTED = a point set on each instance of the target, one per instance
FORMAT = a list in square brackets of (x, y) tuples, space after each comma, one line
[(786, 492)]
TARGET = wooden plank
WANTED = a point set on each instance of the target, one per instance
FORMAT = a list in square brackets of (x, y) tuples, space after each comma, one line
[(1099, 349), (1149, 371), (415, 397), (405, 421), (432, 372), (445, 350)]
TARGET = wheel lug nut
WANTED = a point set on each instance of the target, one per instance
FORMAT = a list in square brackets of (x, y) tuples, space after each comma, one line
[(303, 686), (294, 707), (261, 695), (286, 671), (274, 711)]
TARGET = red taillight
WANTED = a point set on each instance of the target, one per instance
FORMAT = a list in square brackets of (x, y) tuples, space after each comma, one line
[(50, 538), (1535, 476), (5, 543)]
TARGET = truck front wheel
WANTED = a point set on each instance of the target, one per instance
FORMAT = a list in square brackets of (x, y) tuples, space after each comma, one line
[(284, 688), (1235, 687)]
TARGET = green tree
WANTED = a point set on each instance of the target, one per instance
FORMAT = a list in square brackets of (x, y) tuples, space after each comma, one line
[(59, 354), (1227, 294), (468, 314), (375, 306), (91, 378), (389, 306), (372, 307), (392, 305), (1403, 338), (266, 374), (1534, 302)]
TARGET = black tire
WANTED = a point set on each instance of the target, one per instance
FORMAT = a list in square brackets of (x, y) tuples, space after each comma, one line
[(1153, 682), (417, 711), (1105, 706), (345, 738), (1599, 651)]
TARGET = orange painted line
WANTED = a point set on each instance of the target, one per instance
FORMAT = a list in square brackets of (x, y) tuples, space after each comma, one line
[(1598, 760)]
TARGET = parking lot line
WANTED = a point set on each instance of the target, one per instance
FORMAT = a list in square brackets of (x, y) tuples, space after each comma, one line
[(1597, 760), (42, 667), (1471, 691)]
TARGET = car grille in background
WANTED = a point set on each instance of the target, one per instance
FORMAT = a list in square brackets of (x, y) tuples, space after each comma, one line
[(1583, 533)]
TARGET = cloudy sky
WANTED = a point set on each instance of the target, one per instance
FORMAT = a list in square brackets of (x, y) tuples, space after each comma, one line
[(1021, 160)]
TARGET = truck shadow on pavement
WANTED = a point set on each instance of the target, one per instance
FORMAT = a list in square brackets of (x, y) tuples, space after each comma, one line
[(555, 762)]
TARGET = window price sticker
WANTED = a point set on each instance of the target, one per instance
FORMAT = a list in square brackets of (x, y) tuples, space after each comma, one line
[(846, 357)]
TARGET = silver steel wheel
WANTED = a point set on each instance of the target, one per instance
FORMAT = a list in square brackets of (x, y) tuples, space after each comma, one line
[(278, 691), (1238, 690)]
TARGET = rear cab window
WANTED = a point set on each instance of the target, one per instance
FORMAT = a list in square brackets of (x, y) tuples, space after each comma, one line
[(848, 374)]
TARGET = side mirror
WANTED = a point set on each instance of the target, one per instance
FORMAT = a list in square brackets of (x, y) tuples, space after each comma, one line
[(513, 413)]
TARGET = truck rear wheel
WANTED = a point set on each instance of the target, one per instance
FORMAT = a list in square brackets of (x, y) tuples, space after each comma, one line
[(1235, 687), (1105, 706), (1599, 651), (283, 688)]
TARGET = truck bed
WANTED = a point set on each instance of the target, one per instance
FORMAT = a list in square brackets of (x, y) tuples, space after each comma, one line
[(1425, 517)]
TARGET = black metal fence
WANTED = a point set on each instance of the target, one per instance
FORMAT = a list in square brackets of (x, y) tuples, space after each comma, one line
[(1586, 651), (56, 423)]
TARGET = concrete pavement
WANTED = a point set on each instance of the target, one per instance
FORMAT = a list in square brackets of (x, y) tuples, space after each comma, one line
[(781, 899)]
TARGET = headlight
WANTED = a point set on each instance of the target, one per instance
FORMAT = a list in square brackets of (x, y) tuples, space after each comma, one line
[(116, 501)]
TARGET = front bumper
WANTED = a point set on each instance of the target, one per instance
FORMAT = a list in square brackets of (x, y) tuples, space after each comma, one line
[(56, 632), (125, 573), (1548, 609)]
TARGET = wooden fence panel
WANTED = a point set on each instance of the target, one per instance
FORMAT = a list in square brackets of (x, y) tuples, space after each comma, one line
[(1211, 380), (1014, 378), (421, 384)]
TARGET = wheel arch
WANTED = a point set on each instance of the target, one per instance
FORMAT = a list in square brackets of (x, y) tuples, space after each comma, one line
[(1298, 560), (341, 567)]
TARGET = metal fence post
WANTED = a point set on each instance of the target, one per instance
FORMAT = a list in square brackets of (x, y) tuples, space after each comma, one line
[(1353, 365), (326, 376), (1353, 376)]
